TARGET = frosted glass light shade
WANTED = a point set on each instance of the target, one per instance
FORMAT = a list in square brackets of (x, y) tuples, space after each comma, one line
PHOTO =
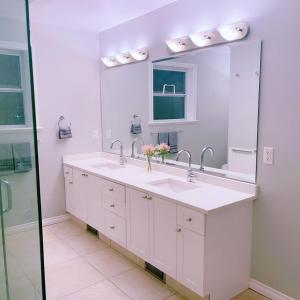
[(178, 45), (110, 61), (234, 31), (124, 58), (139, 54), (204, 38)]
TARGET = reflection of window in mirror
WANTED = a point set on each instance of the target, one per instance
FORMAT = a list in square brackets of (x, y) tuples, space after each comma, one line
[(12, 91), (173, 92)]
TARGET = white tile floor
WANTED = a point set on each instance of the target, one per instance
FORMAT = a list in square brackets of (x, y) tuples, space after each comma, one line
[(79, 266)]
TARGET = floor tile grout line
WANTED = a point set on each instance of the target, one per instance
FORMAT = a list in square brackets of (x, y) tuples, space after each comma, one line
[(119, 288), (103, 273), (84, 288)]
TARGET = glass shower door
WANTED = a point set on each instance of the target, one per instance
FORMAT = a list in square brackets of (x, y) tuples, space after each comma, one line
[(21, 247), (3, 266)]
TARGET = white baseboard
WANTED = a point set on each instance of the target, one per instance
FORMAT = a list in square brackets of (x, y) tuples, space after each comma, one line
[(32, 225), (21, 228), (267, 291), (54, 220)]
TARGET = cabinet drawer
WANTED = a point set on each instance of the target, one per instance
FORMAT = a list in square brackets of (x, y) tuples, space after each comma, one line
[(68, 174), (115, 228), (114, 197), (113, 189), (191, 219)]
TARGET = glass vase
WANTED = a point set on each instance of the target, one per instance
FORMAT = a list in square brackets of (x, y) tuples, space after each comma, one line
[(149, 166)]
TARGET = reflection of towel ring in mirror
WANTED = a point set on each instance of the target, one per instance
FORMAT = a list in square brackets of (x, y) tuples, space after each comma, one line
[(136, 120), (60, 120)]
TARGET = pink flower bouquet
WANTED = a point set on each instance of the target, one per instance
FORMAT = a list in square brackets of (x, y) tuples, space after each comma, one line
[(149, 151), (163, 149)]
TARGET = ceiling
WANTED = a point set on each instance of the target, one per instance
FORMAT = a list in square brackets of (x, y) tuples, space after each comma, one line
[(90, 15)]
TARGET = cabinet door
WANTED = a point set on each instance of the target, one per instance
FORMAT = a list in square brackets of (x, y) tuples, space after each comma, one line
[(81, 194), (70, 198), (138, 218), (95, 211), (164, 236), (190, 260), (115, 227)]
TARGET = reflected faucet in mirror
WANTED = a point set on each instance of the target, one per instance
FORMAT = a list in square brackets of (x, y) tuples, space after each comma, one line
[(122, 158), (211, 151), (190, 174), (137, 139)]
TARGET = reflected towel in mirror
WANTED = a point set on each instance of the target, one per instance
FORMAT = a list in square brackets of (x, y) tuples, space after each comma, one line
[(163, 137), (6, 158), (173, 141)]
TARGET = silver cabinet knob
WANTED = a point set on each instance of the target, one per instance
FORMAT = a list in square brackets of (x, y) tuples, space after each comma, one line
[(112, 227), (112, 205), (189, 219), (145, 197), (111, 189), (178, 230)]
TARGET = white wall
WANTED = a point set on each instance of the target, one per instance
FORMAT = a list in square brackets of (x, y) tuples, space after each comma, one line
[(276, 239), (66, 67)]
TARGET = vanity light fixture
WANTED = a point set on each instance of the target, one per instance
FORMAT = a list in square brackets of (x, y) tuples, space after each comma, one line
[(204, 38), (139, 54), (234, 31), (225, 33), (126, 57), (179, 44), (110, 61)]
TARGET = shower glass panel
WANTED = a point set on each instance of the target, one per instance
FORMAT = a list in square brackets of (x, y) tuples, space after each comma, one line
[(21, 248)]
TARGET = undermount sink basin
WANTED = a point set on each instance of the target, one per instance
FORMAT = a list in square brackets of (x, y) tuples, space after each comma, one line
[(108, 166), (173, 185)]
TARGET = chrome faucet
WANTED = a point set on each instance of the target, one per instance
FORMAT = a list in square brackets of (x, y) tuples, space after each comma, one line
[(190, 174), (212, 152), (137, 139), (122, 158)]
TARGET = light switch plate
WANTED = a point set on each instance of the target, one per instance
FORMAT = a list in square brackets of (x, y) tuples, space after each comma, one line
[(95, 134), (108, 133), (268, 155)]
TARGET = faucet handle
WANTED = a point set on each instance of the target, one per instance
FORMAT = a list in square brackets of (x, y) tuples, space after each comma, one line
[(190, 175), (123, 160)]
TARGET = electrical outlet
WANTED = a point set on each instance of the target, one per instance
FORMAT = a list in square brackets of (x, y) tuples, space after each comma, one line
[(268, 155)]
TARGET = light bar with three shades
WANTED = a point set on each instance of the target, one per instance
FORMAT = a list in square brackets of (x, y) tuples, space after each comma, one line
[(125, 57), (225, 33)]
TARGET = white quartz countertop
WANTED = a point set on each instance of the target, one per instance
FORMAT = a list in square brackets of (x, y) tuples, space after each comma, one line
[(205, 197)]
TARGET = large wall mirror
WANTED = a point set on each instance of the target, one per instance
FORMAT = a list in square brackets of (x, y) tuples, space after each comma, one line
[(204, 98)]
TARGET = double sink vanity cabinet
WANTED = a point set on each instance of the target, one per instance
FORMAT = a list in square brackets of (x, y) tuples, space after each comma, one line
[(204, 245)]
